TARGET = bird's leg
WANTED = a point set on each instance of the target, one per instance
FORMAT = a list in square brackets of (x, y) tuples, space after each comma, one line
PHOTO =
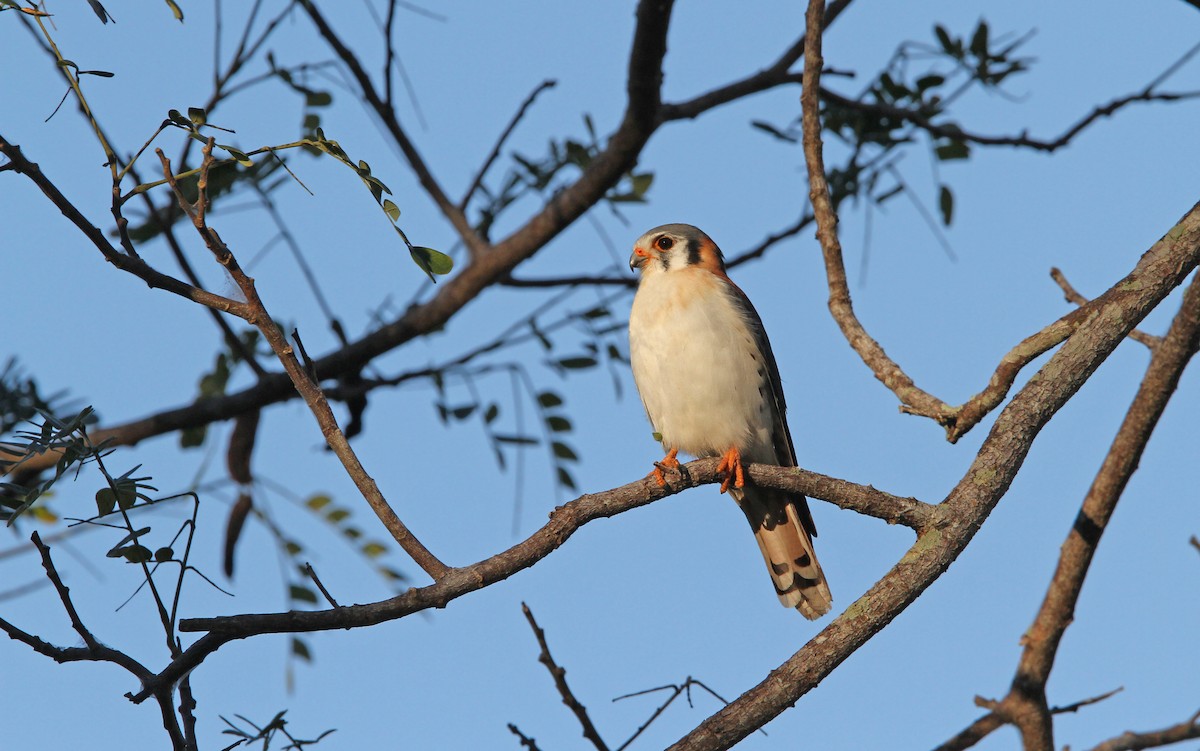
[(669, 462), (731, 467)]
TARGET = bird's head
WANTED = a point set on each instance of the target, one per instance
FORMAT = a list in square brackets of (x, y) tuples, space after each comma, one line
[(673, 247)]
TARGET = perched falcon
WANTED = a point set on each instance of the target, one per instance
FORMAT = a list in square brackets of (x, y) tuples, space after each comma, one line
[(710, 386)]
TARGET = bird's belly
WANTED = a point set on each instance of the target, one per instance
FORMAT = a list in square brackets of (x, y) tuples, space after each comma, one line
[(703, 382)]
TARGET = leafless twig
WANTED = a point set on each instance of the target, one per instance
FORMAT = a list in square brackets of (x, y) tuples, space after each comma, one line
[(559, 674)]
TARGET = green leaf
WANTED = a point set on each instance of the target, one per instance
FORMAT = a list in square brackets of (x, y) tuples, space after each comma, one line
[(577, 363), (175, 10), (337, 515), (192, 437), (391, 209), (106, 501), (462, 413), (374, 549), (516, 440), (493, 411), (318, 502), (197, 115), (101, 13), (431, 261), (163, 554), (952, 150), (549, 399), (563, 451), (944, 39), (300, 649), (137, 553), (641, 183), (930, 81), (946, 203), (318, 99), (773, 131), (565, 479), (656, 436), (177, 118), (301, 593), (558, 424), (979, 42), (240, 156)]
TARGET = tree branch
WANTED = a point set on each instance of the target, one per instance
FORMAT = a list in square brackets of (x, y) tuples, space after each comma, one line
[(564, 522), (1026, 702), (297, 374), (1130, 741), (559, 674), (968, 505), (130, 264), (1150, 340), (475, 244)]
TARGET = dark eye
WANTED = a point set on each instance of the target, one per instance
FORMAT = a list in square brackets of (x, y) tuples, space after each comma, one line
[(664, 243)]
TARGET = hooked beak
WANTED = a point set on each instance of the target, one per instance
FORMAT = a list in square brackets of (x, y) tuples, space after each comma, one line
[(637, 259)]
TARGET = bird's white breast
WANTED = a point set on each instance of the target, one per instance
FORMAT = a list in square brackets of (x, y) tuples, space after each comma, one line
[(698, 368)]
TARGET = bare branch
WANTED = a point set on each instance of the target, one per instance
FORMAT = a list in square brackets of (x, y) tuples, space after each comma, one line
[(564, 522), (1150, 340), (1130, 741), (1027, 698), (991, 721), (559, 674), (776, 74)]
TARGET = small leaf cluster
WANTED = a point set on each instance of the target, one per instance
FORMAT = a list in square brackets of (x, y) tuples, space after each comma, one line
[(66, 437), (920, 83)]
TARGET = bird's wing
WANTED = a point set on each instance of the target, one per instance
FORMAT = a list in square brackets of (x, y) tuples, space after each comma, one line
[(781, 436)]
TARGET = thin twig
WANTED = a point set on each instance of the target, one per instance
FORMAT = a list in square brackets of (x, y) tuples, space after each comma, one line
[(559, 674), (312, 574), (549, 83)]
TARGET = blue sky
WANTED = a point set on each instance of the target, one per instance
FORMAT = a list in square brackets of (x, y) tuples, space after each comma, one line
[(674, 589)]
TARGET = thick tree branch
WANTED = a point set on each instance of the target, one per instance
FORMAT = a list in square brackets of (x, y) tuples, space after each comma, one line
[(968, 505), (914, 400), (1073, 297), (564, 522), (1026, 702)]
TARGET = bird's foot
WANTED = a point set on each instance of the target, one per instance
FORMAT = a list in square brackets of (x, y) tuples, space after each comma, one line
[(668, 463), (731, 467)]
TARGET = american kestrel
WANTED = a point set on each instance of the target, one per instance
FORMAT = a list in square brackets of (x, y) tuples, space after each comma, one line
[(710, 386)]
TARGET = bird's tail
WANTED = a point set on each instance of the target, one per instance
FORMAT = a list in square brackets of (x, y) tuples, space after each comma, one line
[(784, 529)]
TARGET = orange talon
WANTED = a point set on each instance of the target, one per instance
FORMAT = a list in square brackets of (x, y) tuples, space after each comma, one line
[(731, 467), (669, 462)]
